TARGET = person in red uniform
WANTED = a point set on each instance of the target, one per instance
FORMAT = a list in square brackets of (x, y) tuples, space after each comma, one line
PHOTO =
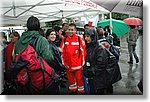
[(73, 56), (9, 53)]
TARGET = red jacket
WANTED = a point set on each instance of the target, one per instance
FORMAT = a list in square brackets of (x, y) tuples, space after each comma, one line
[(70, 52), (8, 55)]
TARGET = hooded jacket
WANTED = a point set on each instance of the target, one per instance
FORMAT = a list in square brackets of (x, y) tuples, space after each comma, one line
[(95, 62), (8, 55), (42, 47)]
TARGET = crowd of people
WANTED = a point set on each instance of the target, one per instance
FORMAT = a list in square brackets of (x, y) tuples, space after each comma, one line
[(84, 58)]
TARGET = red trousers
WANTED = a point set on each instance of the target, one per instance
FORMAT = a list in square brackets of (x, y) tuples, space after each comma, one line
[(75, 79)]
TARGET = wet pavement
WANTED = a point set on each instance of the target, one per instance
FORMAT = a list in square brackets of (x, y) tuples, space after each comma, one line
[(131, 73)]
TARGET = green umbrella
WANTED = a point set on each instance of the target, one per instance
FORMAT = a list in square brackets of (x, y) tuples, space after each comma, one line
[(118, 27)]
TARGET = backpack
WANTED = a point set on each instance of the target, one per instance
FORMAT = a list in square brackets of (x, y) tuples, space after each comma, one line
[(112, 67), (113, 49), (32, 71)]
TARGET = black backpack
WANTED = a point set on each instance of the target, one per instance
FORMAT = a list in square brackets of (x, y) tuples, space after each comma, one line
[(113, 68), (113, 49)]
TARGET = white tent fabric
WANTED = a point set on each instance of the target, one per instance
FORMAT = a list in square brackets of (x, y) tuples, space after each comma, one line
[(131, 7), (93, 19), (18, 11)]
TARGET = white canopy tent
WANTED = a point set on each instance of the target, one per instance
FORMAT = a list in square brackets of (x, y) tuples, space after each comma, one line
[(18, 11)]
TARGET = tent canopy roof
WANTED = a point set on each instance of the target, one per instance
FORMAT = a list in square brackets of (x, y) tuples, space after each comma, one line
[(18, 11)]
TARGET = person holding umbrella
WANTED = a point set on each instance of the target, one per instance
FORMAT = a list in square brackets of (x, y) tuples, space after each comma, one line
[(131, 40)]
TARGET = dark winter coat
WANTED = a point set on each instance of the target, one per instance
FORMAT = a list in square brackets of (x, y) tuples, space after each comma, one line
[(101, 67), (95, 66), (95, 62), (57, 63)]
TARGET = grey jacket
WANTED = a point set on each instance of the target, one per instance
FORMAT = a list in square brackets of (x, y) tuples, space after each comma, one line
[(132, 36)]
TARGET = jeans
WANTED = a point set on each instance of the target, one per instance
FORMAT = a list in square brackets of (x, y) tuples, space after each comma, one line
[(131, 49)]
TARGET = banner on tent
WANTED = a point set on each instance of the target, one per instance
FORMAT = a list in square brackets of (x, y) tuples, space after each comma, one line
[(91, 20), (82, 2)]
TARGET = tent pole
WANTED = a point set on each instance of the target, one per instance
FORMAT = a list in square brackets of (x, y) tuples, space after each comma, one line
[(14, 9), (29, 8), (110, 23), (111, 27)]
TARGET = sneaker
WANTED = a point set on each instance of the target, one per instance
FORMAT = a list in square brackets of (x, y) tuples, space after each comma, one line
[(130, 62)]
